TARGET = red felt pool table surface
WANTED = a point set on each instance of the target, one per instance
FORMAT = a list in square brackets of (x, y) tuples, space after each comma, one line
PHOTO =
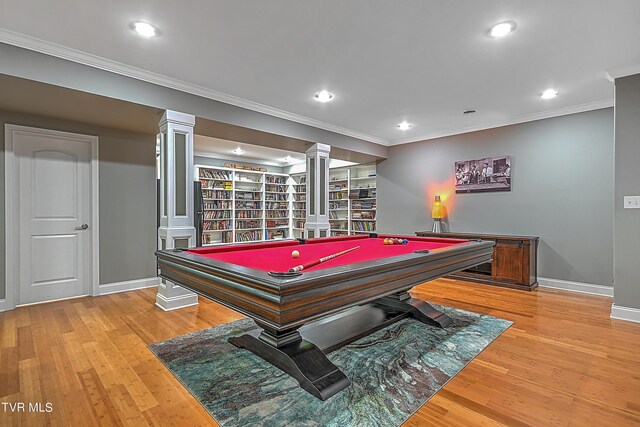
[(276, 256)]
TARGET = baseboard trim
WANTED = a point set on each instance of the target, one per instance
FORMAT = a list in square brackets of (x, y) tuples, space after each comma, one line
[(129, 285), (585, 288), (3, 305), (174, 303), (629, 314)]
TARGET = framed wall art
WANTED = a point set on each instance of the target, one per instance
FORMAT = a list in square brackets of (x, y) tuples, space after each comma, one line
[(483, 175)]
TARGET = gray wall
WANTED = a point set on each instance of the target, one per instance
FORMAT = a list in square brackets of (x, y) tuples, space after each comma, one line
[(627, 183), (562, 182), (127, 197)]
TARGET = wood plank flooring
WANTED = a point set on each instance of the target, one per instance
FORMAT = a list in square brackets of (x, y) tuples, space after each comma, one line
[(563, 363)]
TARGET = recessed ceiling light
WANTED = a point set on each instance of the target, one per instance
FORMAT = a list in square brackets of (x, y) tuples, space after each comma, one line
[(404, 126), (144, 29), (323, 96), (239, 151), (549, 93), (502, 29)]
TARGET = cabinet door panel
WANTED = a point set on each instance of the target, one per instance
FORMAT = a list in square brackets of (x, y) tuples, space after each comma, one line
[(507, 261)]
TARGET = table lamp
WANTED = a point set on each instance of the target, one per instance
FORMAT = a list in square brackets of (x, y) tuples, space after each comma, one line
[(438, 215)]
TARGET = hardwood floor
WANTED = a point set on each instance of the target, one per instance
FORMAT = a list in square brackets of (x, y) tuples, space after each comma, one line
[(563, 362)]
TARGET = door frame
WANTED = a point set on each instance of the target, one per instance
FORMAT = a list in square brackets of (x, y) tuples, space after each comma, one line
[(11, 210)]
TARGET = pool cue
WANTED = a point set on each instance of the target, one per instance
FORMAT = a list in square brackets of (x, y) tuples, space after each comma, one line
[(319, 261)]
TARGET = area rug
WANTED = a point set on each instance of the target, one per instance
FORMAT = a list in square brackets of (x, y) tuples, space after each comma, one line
[(393, 372)]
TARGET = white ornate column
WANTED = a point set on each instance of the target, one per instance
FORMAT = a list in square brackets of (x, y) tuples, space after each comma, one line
[(176, 199), (317, 223)]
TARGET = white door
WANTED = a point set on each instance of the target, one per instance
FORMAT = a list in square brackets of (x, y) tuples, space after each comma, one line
[(54, 212)]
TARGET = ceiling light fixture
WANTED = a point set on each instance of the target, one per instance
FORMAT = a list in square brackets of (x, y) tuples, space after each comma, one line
[(323, 96), (549, 93), (404, 126), (239, 151), (144, 29), (502, 29)]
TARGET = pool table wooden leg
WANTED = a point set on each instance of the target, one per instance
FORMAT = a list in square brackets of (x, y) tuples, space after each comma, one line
[(297, 357), (419, 309)]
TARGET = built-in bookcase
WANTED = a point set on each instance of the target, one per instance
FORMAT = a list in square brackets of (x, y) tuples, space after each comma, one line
[(248, 206), (339, 201), (277, 190), (299, 200), (244, 206), (362, 199), (217, 193)]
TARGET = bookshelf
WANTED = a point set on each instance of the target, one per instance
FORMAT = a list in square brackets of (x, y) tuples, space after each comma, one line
[(362, 199), (248, 198), (217, 193), (339, 201), (299, 203), (277, 206), (249, 206)]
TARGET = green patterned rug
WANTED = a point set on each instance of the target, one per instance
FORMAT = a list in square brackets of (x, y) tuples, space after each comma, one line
[(393, 372)]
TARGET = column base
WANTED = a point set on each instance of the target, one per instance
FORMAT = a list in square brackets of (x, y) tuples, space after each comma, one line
[(172, 297)]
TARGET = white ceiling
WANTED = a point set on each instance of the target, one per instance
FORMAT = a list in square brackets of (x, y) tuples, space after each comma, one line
[(217, 148), (424, 61), (224, 149)]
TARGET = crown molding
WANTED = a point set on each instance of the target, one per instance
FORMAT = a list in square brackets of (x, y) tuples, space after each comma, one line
[(55, 50), (597, 105), (629, 70), (66, 53)]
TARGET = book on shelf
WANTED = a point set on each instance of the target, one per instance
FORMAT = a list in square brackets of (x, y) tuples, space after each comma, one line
[(248, 236), (251, 214), (273, 179), (214, 174), (369, 226), (362, 193)]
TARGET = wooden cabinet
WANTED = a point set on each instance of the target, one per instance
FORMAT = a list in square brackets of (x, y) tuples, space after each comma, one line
[(514, 262)]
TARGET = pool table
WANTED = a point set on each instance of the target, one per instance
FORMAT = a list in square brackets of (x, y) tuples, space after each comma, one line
[(302, 315)]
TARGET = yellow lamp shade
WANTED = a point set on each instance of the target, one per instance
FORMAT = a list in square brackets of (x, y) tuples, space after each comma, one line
[(438, 211)]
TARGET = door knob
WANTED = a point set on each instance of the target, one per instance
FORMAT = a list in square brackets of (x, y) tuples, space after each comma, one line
[(82, 227)]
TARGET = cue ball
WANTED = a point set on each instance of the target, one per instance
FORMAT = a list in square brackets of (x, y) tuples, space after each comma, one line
[(295, 254)]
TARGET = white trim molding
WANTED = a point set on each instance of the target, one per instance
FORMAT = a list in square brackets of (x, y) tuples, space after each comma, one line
[(585, 288), (629, 314), (129, 285), (3, 305)]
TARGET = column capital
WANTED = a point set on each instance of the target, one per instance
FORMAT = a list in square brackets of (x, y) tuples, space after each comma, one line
[(177, 117), (319, 148)]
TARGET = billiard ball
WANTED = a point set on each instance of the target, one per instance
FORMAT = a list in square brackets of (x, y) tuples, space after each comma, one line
[(295, 254), (405, 242), (385, 242)]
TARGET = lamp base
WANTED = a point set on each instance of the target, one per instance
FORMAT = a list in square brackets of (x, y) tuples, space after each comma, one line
[(438, 226)]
